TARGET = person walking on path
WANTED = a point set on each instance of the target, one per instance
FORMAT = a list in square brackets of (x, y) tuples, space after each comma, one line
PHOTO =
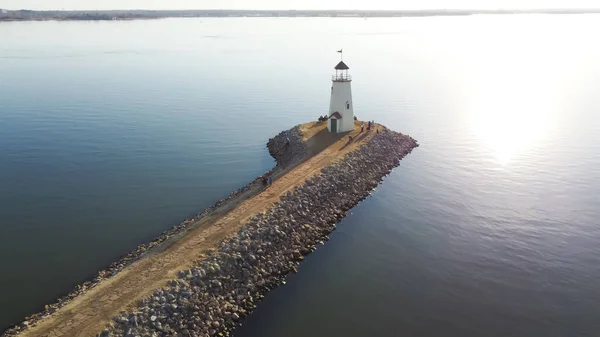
[(270, 180), (362, 127)]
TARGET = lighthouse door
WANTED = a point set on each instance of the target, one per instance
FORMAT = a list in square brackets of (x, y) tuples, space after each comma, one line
[(333, 125)]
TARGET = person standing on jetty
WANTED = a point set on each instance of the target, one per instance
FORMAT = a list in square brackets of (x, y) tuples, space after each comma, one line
[(362, 127)]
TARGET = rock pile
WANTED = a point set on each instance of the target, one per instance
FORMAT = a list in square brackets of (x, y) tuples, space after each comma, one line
[(283, 155), (288, 154), (212, 298)]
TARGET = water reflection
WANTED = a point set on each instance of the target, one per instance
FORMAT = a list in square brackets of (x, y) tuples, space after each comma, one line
[(510, 84)]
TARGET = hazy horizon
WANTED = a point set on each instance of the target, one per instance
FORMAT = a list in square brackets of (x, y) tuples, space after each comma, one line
[(295, 5), (303, 9)]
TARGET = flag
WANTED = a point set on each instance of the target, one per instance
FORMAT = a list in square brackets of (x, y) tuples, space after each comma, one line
[(339, 51)]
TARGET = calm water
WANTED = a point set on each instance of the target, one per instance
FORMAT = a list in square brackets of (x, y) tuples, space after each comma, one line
[(112, 132)]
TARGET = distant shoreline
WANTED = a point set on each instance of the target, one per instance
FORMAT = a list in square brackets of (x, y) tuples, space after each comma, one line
[(108, 15)]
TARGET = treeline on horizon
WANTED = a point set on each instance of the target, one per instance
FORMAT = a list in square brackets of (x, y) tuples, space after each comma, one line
[(17, 15)]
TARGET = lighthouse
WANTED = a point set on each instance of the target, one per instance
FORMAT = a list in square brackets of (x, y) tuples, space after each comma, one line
[(341, 110)]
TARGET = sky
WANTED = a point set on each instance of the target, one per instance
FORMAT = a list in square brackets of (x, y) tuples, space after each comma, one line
[(295, 4)]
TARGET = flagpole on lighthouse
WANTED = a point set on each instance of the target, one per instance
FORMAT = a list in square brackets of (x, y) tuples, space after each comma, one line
[(341, 51)]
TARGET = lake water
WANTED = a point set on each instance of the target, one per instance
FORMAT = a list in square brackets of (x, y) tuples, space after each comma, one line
[(112, 132)]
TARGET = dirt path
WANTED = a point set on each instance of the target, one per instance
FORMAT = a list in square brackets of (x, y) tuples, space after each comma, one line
[(89, 313)]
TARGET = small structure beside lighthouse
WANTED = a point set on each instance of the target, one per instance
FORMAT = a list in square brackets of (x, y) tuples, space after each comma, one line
[(341, 110)]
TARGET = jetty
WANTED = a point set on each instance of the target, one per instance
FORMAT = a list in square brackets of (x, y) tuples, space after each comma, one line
[(203, 276)]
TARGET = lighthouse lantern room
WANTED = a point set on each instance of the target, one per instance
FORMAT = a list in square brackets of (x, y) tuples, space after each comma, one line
[(341, 110)]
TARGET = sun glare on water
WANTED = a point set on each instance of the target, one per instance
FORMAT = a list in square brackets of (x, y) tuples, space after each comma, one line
[(513, 97), (509, 119)]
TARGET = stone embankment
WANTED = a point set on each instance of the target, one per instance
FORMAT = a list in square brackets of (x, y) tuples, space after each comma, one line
[(213, 297), (286, 154), (277, 148)]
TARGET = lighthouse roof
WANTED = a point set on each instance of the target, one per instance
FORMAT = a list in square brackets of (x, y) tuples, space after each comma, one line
[(341, 66)]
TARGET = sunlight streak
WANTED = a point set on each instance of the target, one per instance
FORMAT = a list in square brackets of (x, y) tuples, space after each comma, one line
[(509, 107)]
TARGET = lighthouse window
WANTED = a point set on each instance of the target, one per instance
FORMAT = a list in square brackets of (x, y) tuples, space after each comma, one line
[(347, 106)]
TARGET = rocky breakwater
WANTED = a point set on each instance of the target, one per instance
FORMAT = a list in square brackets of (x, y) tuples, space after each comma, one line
[(213, 297), (287, 148)]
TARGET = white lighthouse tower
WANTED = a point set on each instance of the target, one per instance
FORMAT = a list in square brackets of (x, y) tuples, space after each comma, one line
[(341, 110)]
